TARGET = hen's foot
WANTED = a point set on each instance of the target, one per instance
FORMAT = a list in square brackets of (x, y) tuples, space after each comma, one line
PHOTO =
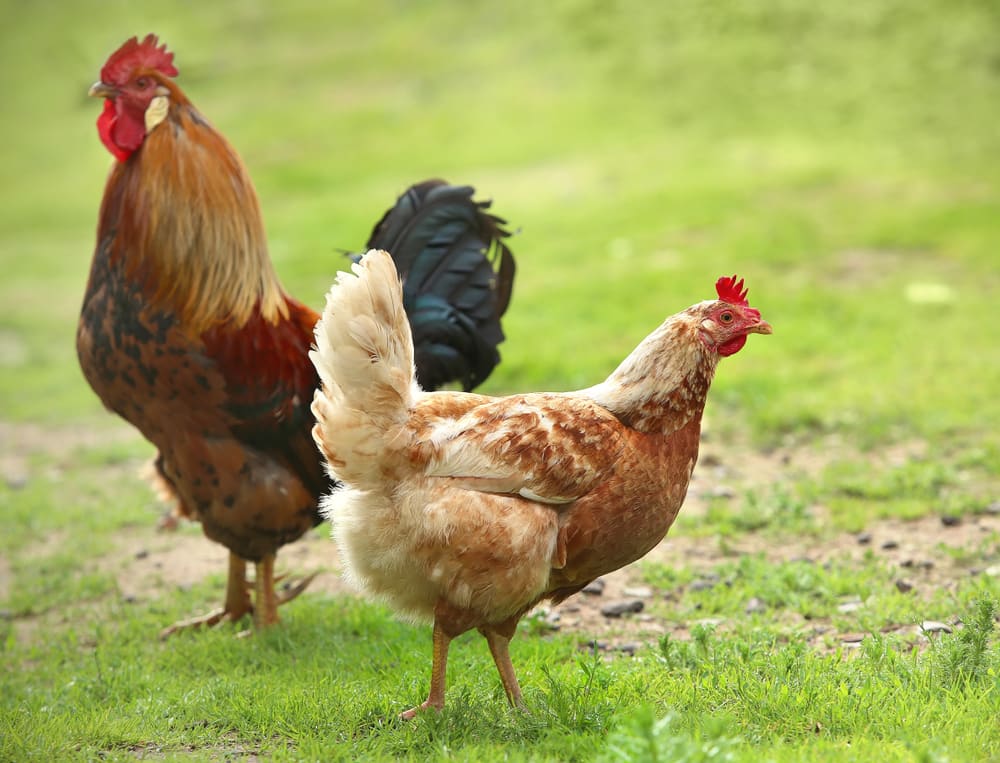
[(409, 715)]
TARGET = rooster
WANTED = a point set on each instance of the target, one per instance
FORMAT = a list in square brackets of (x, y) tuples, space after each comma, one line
[(186, 332), (468, 510)]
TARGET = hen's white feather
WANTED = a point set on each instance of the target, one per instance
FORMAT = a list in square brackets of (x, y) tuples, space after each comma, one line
[(364, 356)]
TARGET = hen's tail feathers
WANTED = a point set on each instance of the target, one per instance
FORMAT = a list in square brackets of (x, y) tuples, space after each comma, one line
[(457, 276), (364, 357)]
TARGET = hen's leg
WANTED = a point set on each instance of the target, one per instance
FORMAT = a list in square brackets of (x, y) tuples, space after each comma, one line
[(266, 599), (498, 637), (237, 602), (439, 665)]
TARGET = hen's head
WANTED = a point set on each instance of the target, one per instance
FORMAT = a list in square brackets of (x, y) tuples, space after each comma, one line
[(726, 322), (136, 85)]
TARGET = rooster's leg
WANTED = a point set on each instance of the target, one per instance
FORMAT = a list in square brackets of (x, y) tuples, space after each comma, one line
[(498, 637), (265, 609), (236, 606), (266, 599), (439, 664)]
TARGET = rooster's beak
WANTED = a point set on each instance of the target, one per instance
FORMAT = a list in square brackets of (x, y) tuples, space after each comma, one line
[(762, 328), (102, 90)]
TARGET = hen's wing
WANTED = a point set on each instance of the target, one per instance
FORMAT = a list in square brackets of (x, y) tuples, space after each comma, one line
[(549, 448)]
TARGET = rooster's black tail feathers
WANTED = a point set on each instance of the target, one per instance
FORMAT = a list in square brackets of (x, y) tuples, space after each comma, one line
[(457, 276)]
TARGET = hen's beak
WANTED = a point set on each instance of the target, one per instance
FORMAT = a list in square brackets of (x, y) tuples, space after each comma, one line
[(763, 327), (102, 90)]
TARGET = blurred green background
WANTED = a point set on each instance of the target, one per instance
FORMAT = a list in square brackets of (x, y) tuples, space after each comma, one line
[(844, 158)]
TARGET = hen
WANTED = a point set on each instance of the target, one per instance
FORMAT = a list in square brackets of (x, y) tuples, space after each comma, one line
[(186, 332), (468, 509)]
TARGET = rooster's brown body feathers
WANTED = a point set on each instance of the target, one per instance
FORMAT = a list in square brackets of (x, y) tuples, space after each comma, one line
[(187, 334)]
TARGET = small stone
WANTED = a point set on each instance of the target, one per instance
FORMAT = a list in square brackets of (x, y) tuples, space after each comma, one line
[(950, 520), (594, 587), (710, 622), (863, 538), (933, 626), (142, 553), (889, 545), (629, 648), (993, 508), (701, 585), (618, 608), (6, 614), (639, 592), (993, 571), (17, 481), (569, 608), (719, 491), (850, 604), (755, 606), (904, 586), (595, 645), (852, 638), (130, 598)]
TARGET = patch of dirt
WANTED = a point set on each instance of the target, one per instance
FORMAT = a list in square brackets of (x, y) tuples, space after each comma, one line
[(21, 443), (918, 549), (147, 561)]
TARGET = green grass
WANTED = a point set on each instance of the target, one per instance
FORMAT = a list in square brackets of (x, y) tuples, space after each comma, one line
[(328, 684), (844, 158)]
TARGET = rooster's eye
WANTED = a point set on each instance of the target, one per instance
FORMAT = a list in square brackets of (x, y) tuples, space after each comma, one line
[(726, 317), (142, 83)]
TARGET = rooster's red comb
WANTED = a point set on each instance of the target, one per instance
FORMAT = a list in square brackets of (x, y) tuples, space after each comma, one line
[(134, 55), (730, 290)]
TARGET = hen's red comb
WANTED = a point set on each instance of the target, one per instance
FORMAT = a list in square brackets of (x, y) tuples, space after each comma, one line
[(134, 55), (730, 290)]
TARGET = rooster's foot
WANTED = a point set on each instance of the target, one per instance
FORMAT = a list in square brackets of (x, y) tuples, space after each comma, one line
[(205, 621)]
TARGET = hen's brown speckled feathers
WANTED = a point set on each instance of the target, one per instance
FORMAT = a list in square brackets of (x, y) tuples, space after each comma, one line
[(467, 509)]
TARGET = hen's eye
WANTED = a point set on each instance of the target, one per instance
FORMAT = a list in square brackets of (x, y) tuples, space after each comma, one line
[(726, 317), (142, 83)]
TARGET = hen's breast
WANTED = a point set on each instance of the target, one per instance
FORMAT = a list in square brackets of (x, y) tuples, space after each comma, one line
[(624, 518)]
